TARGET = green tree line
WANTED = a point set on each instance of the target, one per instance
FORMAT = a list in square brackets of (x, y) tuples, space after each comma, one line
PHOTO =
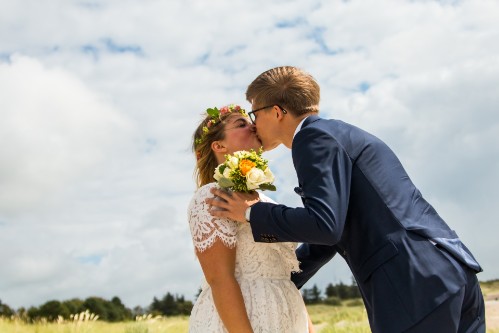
[(169, 305), (108, 310), (334, 294)]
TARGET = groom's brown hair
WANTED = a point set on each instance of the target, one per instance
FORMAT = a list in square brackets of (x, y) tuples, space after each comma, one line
[(290, 87)]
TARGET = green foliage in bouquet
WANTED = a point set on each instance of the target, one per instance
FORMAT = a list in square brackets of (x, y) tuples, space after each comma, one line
[(245, 171)]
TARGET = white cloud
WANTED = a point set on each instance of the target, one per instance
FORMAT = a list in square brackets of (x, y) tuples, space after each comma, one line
[(53, 131), (98, 102)]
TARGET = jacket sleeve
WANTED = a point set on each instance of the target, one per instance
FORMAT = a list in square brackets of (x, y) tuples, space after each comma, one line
[(312, 258), (324, 170)]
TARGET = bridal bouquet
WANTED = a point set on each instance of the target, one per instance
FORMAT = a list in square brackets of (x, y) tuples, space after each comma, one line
[(244, 171)]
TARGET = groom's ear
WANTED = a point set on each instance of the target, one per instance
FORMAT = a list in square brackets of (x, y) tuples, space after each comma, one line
[(218, 147), (278, 112)]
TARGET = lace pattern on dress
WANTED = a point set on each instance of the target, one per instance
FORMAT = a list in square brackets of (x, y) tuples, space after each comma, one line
[(206, 229), (286, 249), (272, 302)]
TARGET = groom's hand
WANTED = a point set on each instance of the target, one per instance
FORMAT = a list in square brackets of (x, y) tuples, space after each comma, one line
[(233, 204)]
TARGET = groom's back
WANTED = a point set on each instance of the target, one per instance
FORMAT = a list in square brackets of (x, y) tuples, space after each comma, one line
[(388, 228), (377, 172)]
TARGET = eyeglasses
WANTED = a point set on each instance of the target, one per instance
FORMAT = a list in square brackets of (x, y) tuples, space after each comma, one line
[(252, 115)]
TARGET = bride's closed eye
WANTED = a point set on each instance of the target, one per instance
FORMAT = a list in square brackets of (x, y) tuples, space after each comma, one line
[(239, 124)]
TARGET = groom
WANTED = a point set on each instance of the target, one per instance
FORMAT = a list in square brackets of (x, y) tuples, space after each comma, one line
[(414, 273)]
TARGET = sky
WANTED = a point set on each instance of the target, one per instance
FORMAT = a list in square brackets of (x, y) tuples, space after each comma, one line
[(99, 99)]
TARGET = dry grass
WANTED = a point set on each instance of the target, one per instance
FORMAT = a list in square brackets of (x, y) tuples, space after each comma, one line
[(83, 324), (326, 319), (342, 319)]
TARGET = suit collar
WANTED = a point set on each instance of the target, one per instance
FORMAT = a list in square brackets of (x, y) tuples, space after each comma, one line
[(304, 123), (309, 120)]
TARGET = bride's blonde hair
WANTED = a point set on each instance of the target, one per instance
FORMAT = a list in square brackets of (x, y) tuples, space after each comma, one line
[(211, 128)]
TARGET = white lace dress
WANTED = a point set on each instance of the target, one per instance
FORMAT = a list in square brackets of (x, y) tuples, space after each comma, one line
[(263, 271)]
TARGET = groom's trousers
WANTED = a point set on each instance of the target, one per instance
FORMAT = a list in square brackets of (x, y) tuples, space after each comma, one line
[(463, 312)]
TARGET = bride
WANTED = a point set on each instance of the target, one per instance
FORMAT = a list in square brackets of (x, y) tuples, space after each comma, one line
[(247, 286)]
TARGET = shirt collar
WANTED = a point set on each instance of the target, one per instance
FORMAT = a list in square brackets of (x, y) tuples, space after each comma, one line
[(298, 128)]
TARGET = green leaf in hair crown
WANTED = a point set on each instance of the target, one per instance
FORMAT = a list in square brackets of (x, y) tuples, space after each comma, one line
[(215, 116)]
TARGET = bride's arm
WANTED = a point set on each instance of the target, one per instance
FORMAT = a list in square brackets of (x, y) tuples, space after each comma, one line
[(218, 264), (311, 328)]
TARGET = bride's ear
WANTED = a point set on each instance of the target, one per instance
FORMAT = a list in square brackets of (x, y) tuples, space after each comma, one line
[(218, 147)]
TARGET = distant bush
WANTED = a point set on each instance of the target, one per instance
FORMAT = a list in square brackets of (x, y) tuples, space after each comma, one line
[(354, 302), (170, 305), (335, 301), (5, 310)]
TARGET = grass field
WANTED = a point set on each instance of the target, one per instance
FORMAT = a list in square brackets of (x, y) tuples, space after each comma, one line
[(163, 325), (326, 319), (350, 317), (339, 319)]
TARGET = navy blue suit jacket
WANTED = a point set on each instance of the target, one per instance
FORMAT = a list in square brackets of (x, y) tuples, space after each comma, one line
[(359, 202)]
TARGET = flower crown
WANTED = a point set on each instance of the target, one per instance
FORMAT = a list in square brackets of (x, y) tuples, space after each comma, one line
[(216, 116)]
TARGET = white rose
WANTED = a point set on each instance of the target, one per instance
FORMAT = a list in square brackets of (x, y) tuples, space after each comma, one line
[(269, 175), (254, 178), (239, 154), (227, 172), (217, 175), (233, 162)]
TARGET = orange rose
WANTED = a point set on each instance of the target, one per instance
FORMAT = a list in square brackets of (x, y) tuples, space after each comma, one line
[(246, 166)]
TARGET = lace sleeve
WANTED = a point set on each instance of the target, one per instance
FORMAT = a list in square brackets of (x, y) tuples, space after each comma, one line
[(206, 229)]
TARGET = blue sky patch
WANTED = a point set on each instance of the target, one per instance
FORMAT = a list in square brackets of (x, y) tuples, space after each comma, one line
[(5, 57), (290, 23), (234, 50), (110, 46), (90, 5), (94, 259), (203, 58), (150, 145), (90, 50), (364, 86), (114, 47), (317, 35)]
